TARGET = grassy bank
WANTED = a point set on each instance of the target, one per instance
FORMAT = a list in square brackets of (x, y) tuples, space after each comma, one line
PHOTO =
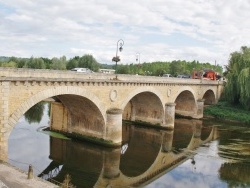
[(225, 111)]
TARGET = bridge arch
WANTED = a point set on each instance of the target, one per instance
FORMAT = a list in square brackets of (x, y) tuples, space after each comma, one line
[(209, 97), (144, 104), (63, 93), (186, 102)]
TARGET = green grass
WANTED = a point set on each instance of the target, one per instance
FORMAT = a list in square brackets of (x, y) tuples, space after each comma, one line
[(225, 111), (55, 134)]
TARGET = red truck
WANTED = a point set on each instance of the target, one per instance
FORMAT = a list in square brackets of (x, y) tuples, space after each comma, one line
[(206, 74)]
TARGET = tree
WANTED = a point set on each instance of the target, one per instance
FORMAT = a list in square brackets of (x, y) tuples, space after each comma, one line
[(86, 61), (9, 64), (176, 68), (35, 63), (35, 113), (237, 90), (58, 64), (47, 62), (122, 69), (72, 63)]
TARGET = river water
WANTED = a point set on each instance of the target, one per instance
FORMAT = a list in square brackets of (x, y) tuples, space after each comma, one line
[(197, 153)]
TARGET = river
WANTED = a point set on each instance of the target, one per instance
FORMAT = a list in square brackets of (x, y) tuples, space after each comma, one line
[(197, 153)]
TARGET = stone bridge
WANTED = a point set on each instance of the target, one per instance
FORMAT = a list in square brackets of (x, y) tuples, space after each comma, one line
[(93, 105)]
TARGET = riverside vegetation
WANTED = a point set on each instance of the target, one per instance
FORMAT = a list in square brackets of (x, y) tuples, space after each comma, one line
[(227, 112), (235, 104)]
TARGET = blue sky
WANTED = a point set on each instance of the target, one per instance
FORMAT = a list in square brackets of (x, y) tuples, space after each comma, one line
[(160, 30)]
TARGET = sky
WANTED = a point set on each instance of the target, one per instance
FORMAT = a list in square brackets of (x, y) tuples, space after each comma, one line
[(152, 30)]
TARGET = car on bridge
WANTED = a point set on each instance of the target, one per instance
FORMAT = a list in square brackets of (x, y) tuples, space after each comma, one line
[(183, 76), (167, 75), (107, 71), (84, 70)]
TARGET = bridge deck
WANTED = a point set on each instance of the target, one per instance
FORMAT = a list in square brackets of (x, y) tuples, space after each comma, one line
[(13, 74)]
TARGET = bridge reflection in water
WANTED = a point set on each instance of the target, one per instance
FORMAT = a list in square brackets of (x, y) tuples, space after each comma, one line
[(146, 154)]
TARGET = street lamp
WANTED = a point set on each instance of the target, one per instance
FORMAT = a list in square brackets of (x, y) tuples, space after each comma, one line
[(138, 57), (138, 60), (116, 59)]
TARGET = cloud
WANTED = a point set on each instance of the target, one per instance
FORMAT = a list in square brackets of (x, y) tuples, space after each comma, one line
[(160, 30)]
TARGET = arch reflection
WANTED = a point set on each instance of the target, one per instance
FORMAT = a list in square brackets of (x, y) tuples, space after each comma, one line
[(147, 153)]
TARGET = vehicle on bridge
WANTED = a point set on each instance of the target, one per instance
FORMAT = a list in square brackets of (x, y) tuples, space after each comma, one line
[(107, 71), (167, 75), (183, 76), (84, 70), (206, 74)]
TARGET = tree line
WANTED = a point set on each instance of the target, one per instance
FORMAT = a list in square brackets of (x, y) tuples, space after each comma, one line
[(88, 61), (54, 63)]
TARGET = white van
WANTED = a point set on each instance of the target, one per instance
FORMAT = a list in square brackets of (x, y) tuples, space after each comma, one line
[(85, 70), (167, 75)]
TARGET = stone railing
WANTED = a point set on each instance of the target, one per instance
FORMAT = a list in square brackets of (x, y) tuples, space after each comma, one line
[(21, 74)]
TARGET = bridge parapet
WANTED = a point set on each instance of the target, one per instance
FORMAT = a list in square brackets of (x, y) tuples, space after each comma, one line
[(15, 74)]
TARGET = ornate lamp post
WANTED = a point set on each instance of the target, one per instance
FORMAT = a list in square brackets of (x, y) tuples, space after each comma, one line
[(138, 60), (138, 57), (116, 59)]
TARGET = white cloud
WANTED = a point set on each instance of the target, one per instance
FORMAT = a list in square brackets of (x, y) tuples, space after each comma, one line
[(212, 29)]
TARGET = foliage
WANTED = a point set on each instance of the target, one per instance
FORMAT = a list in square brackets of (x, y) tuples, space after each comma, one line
[(58, 63), (47, 62), (225, 111), (123, 69), (35, 113), (159, 68), (55, 134), (4, 59), (72, 63), (9, 64), (86, 61), (244, 87), (176, 68), (237, 89), (35, 63)]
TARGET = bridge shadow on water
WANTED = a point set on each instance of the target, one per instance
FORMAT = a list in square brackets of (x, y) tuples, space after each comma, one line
[(145, 155)]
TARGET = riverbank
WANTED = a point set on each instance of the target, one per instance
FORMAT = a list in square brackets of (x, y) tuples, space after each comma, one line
[(11, 177), (226, 112)]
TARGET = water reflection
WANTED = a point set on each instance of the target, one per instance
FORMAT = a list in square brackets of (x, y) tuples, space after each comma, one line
[(148, 155), (195, 154), (143, 148), (35, 113), (236, 174), (82, 161), (235, 146)]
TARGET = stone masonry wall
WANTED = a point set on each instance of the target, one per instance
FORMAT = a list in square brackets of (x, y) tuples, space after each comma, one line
[(4, 100)]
